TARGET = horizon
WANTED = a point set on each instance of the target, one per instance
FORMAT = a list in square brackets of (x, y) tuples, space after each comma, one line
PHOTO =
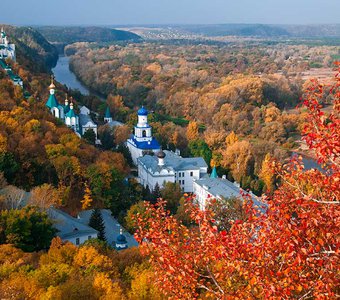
[(176, 12)]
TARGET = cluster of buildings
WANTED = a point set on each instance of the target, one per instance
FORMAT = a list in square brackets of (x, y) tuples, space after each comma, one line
[(80, 123), (155, 167), (77, 230), (7, 51)]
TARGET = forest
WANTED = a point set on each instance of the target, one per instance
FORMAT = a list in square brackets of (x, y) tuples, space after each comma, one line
[(235, 106), (232, 104)]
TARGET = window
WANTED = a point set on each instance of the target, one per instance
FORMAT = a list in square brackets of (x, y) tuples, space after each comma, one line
[(191, 173), (77, 241), (144, 133), (183, 182), (179, 174), (182, 174)]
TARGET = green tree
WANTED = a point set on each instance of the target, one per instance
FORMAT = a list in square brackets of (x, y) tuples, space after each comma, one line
[(172, 193), (90, 136), (28, 229), (96, 221), (200, 148)]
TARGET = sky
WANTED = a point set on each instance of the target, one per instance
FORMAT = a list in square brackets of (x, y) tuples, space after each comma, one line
[(131, 12)]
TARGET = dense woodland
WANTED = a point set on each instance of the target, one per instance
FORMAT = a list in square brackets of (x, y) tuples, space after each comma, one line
[(205, 107), (230, 104)]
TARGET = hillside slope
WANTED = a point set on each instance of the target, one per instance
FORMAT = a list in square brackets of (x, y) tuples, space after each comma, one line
[(69, 35), (31, 46)]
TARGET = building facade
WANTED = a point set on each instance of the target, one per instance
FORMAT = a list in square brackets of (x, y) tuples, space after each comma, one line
[(166, 166), (71, 229), (142, 141), (212, 187), (7, 50)]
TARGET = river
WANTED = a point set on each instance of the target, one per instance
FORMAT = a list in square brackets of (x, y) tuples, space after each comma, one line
[(63, 74)]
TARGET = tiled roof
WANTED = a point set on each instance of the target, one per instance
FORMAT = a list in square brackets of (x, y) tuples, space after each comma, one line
[(67, 226), (84, 119), (146, 145), (223, 188), (173, 161)]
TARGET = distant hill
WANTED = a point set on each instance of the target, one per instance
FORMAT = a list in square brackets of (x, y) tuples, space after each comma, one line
[(69, 35), (262, 30), (236, 29), (31, 46)]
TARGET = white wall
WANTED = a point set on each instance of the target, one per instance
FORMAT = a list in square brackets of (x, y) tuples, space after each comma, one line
[(201, 195), (146, 179), (188, 179), (82, 239)]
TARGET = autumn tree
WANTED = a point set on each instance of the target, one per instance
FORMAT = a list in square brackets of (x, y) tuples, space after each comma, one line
[(288, 248), (28, 229), (231, 139), (12, 197), (192, 131), (44, 196), (87, 200), (267, 174), (237, 157)]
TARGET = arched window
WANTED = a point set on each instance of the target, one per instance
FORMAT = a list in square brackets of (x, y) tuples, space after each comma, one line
[(144, 133)]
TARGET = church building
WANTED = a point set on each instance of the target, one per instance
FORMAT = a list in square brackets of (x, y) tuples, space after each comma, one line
[(80, 123), (142, 141), (6, 50)]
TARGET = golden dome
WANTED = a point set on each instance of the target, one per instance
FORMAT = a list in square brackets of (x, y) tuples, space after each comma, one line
[(52, 86)]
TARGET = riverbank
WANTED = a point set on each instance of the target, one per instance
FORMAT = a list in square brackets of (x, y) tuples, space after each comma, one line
[(64, 75)]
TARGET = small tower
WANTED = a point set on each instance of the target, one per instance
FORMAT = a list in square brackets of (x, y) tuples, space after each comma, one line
[(66, 100), (4, 40), (121, 242), (161, 155), (107, 116), (52, 102), (143, 129), (71, 118), (214, 173)]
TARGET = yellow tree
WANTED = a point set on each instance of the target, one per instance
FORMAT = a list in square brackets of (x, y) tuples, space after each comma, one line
[(237, 157), (44, 196), (267, 174), (87, 200), (192, 131), (231, 139)]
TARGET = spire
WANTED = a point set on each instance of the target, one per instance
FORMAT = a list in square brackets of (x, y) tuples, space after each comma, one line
[(214, 173), (107, 112), (66, 99), (52, 86)]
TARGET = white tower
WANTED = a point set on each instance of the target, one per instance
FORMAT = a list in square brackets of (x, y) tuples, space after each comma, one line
[(143, 129)]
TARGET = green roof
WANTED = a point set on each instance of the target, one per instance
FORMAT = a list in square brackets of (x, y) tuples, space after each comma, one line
[(214, 173), (52, 101), (70, 114), (107, 113)]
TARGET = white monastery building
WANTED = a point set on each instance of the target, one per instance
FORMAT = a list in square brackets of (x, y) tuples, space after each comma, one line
[(166, 166), (7, 50), (218, 188)]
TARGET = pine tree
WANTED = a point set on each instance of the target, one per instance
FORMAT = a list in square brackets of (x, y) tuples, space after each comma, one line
[(97, 222)]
